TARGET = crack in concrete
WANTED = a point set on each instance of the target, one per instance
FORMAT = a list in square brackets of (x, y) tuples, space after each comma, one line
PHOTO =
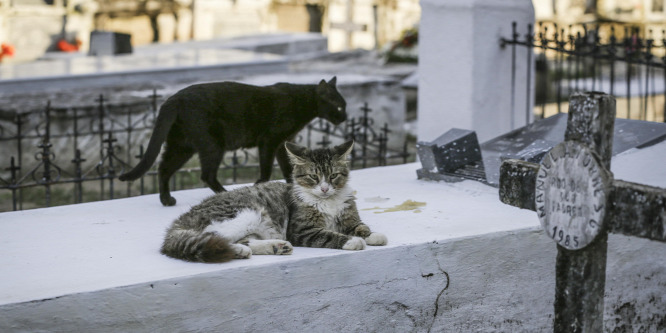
[(439, 295)]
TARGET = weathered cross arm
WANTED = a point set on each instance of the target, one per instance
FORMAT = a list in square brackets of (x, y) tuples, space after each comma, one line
[(634, 209), (638, 210), (517, 182)]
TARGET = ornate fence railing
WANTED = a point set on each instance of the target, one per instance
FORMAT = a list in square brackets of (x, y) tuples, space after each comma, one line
[(617, 59), (70, 155)]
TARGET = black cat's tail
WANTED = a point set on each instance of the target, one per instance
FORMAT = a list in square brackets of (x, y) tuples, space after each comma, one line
[(165, 120), (197, 246)]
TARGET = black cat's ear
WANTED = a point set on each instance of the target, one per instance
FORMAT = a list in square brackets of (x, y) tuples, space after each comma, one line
[(344, 149), (296, 153), (333, 81), (322, 88)]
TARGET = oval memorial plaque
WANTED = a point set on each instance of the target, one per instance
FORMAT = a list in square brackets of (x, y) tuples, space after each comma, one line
[(570, 195)]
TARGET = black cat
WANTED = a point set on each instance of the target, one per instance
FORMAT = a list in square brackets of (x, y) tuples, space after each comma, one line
[(212, 118)]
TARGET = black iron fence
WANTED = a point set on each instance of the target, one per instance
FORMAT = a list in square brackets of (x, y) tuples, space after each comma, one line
[(624, 61), (70, 155)]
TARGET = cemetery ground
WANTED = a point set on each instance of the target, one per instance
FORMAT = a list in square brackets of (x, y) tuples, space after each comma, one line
[(457, 260)]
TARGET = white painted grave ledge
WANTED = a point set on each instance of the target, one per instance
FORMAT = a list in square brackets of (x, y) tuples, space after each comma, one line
[(485, 265), (87, 247)]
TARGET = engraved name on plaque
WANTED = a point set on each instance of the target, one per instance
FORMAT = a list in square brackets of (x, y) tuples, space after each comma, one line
[(571, 194)]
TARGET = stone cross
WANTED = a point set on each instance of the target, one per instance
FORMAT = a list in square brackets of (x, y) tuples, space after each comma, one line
[(349, 26), (578, 202)]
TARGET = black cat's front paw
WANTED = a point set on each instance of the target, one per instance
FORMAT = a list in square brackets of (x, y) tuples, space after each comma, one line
[(168, 201)]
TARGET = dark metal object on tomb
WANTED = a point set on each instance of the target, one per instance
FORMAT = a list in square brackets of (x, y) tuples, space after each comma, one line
[(452, 156), (578, 202)]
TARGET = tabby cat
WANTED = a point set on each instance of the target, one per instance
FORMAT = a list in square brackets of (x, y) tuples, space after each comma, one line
[(212, 118), (316, 210)]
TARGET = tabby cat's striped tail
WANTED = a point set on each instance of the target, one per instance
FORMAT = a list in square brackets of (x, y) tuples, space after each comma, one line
[(196, 246)]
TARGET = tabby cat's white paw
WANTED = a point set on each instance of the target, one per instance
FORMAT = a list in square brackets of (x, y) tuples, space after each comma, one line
[(282, 248), (376, 239), (354, 244), (270, 246), (242, 251)]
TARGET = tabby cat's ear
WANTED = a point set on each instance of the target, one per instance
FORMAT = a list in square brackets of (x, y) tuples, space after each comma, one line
[(332, 81), (344, 149), (296, 153)]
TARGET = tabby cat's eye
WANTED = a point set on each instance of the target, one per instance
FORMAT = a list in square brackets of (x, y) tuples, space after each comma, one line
[(314, 177), (333, 176)]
